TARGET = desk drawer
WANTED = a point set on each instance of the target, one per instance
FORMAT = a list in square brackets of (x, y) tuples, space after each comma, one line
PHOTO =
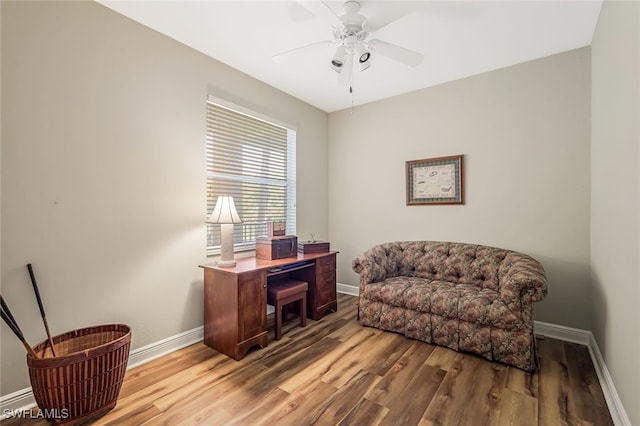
[(326, 291), (326, 264)]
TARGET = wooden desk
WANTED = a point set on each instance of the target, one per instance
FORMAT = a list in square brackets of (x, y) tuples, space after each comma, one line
[(235, 298)]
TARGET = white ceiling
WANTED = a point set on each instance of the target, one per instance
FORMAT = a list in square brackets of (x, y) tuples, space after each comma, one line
[(458, 39)]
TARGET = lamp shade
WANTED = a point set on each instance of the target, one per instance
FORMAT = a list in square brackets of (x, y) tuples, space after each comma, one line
[(224, 211)]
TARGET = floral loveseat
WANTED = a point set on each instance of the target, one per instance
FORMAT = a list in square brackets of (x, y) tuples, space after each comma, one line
[(466, 297)]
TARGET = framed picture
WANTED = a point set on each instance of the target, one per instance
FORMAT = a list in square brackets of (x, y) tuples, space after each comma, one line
[(435, 181)]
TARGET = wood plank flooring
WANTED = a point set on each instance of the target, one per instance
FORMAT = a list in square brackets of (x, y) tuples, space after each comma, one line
[(336, 372)]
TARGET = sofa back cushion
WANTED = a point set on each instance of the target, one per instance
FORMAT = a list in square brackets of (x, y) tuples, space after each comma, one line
[(447, 261)]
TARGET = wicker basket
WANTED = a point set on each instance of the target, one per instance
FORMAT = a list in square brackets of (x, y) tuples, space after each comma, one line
[(83, 380)]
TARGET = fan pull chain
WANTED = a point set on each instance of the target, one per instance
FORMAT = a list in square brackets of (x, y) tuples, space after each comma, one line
[(351, 88)]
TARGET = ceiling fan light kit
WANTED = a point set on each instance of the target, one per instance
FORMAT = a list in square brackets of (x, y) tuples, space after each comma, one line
[(350, 35), (363, 55), (338, 59)]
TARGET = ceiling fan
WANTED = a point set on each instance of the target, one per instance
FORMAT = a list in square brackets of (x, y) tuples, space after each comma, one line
[(350, 32)]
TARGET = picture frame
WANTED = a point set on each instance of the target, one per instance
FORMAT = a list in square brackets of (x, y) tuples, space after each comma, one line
[(437, 180)]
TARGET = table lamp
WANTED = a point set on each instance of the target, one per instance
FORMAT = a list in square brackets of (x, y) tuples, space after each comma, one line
[(226, 215)]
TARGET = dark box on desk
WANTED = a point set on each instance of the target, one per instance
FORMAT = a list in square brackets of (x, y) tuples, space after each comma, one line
[(281, 247), (313, 247)]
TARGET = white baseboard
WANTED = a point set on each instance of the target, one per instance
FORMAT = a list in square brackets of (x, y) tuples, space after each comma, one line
[(155, 350), (586, 338), (347, 289), (19, 400), (560, 332), (614, 403), (23, 399)]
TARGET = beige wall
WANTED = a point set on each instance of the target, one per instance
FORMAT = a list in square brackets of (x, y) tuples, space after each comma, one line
[(103, 172), (615, 196), (102, 175), (524, 131)]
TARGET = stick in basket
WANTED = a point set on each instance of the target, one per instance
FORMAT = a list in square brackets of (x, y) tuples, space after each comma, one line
[(44, 317), (13, 325)]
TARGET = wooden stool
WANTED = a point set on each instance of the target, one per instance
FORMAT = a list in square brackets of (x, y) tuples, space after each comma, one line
[(282, 292)]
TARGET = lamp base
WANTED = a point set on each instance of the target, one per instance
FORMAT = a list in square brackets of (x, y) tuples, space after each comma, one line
[(226, 245)]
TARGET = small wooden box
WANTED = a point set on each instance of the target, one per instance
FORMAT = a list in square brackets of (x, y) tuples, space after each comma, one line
[(313, 247), (276, 229), (271, 248)]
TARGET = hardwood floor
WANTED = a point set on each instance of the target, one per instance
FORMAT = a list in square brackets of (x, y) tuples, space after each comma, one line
[(335, 371)]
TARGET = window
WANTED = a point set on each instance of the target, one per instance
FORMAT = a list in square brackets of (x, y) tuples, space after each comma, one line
[(253, 159)]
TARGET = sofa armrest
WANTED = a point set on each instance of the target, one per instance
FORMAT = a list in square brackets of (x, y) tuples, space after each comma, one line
[(522, 281), (376, 264)]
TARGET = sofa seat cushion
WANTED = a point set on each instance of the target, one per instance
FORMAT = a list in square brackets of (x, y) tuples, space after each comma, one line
[(481, 306), (465, 302), (418, 296), (390, 291), (473, 303)]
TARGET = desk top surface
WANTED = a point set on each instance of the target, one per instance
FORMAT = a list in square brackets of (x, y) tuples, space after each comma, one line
[(251, 264)]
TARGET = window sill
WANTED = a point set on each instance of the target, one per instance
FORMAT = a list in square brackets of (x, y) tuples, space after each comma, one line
[(242, 251)]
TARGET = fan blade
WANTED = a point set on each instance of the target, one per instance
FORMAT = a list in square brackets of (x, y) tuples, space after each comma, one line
[(456, 10), (321, 9), (284, 56), (344, 78), (393, 15), (400, 54), (373, 27)]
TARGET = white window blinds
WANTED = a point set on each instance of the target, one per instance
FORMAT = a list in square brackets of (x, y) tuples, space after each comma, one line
[(252, 158)]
